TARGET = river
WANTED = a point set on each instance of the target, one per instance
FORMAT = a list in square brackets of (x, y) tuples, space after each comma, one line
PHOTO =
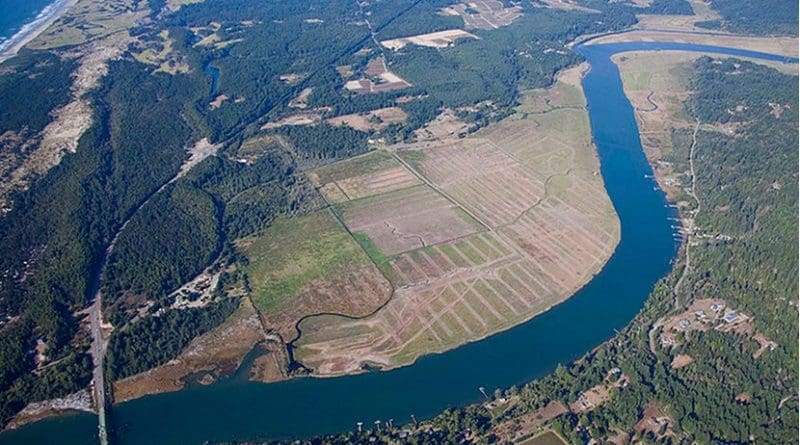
[(235, 409)]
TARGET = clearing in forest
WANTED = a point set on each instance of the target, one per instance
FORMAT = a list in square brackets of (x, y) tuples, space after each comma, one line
[(371, 120), (378, 79), (476, 235), (484, 14), (441, 39)]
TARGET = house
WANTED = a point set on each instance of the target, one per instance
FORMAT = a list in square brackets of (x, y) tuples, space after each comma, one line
[(731, 317)]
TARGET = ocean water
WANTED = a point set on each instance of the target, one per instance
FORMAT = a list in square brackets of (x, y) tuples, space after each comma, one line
[(14, 14)]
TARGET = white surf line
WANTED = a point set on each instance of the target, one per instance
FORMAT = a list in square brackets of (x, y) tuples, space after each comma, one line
[(31, 30)]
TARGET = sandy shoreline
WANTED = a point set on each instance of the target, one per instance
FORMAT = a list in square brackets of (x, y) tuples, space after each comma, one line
[(31, 30)]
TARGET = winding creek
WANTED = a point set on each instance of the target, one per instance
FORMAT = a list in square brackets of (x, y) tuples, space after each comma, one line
[(238, 409)]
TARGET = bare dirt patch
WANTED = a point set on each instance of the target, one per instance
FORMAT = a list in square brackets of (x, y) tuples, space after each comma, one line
[(372, 120), (292, 78), (590, 399), (197, 153), (218, 101), (515, 429), (654, 421), (441, 39), (446, 125), (311, 117), (680, 361), (301, 101), (378, 79)]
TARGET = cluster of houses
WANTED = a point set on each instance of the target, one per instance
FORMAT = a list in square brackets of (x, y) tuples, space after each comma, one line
[(707, 313)]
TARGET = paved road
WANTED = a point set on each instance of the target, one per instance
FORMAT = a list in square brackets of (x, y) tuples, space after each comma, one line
[(99, 344)]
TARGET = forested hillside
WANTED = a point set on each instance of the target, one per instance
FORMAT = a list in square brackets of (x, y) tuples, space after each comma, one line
[(758, 17)]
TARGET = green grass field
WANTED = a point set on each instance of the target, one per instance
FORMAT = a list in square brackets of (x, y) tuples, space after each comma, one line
[(371, 162), (294, 252)]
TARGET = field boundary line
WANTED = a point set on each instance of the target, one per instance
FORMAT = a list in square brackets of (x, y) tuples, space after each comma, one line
[(441, 192)]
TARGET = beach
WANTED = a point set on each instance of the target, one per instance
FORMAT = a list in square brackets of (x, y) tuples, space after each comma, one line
[(29, 31)]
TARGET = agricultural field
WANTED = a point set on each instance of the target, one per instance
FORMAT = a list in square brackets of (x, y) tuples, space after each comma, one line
[(484, 14), (440, 39), (379, 172), (308, 265), (475, 235)]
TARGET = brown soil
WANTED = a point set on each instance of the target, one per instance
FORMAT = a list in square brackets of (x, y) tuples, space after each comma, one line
[(680, 361), (653, 420), (373, 120), (379, 79), (522, 426), (440, 39)]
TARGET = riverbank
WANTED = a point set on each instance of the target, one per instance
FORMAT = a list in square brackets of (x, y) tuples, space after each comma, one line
[(80, 401), (31, 30)]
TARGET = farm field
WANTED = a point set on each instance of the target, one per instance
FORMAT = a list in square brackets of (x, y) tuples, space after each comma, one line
[(309, 265), (476, 235)]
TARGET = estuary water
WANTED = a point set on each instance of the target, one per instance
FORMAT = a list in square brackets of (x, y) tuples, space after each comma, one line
[(236, 409)]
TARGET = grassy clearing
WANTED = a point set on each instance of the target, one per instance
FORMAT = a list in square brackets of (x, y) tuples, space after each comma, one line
[(256, 147), (90, 19), (371, 162), (377, 256), (415, 158), (294, 252)]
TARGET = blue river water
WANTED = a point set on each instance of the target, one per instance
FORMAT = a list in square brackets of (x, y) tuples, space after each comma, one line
[(235, 409), (14, 14)]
